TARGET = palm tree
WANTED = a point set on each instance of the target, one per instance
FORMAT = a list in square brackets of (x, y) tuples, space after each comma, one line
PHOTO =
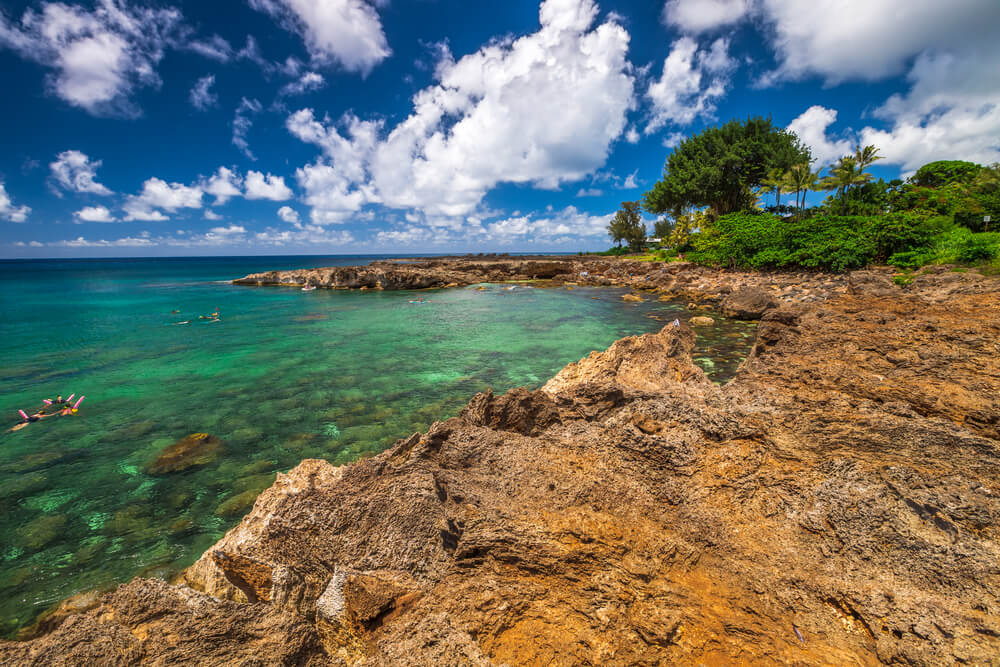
[(801, 179), (775, 180), (865, 156), (845, 174)]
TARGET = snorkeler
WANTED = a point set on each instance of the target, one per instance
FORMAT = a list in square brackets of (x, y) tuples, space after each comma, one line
[(28, 419)]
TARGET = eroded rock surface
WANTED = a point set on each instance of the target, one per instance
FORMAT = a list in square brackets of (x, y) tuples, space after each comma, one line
[(835, 504)]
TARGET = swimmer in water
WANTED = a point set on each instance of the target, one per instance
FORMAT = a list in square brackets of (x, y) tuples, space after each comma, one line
[(28, 419)]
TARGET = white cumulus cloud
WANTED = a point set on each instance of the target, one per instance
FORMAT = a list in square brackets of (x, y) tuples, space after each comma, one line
[(158, 194), (346, 32), (98, 57), (261, 186), (841, 41), (94, 214), (223, 185), (542, 109), (289, 215), (74, 171), (696, 16), (7, 209), (811, 128), (691, 82)]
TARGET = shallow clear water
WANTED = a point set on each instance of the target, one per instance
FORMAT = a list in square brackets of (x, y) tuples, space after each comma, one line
[(285, 375)]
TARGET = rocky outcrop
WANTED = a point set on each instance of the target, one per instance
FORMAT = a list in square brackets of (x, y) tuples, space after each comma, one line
[(748, 303), (836, 503), (420, 274)]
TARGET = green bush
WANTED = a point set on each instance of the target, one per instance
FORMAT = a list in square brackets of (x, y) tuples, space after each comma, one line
[(978, 248), (761, 240)]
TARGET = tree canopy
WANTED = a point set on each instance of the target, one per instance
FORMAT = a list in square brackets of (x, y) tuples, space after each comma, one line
[(943, 172), (720, 167), (627, 226)]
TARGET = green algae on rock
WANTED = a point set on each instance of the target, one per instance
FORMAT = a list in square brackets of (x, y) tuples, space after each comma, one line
[(193, 450)]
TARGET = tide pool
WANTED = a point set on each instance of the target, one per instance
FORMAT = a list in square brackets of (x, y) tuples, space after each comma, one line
[(284, 375)]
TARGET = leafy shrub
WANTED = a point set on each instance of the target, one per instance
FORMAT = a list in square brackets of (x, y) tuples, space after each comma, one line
[(760, 240), (978, 248)]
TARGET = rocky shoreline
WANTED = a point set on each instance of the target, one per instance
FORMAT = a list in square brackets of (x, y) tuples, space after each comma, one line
[(679, 280), (836, 503)]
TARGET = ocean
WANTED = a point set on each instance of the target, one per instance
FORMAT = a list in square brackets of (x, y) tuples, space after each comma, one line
[(282, 375)]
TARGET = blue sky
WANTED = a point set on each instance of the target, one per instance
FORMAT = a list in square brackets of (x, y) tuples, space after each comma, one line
[(384, 126)]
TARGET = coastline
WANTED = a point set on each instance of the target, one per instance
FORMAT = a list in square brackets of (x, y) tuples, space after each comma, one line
[(835, 502), (681, 281)]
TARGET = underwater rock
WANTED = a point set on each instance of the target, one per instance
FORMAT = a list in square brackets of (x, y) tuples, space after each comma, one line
[(132, 520), (45, 459), (701, 321), (43, 531), (181, 526), (193, 450), (632, 298), (23, 486), (237, 504)]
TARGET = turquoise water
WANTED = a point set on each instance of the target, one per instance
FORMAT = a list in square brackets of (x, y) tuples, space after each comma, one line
[(284, 375)]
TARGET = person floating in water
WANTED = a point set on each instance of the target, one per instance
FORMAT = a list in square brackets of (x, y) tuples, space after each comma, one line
[(214, 316), (67, 410)]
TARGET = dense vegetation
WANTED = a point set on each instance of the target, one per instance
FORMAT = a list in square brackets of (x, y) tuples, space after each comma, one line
[(712, 182)]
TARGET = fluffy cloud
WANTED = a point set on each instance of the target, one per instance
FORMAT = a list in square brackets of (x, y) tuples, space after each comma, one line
[(307, 235), (692, 80), (701, 15), (289, 215), (259, 186), (873, 40), (346, 32), (74, 171), (201, 95), (94, 214), (223, 185), (952, 107), (541, 109), (811, 129), (99, 57), (242, 125), (158, 194), (7, 209), (569, 222), (307, 82)]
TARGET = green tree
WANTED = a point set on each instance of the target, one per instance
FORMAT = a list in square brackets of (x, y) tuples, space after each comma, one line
[(627, 226), (720, 167), (945, 172), (616, 231), (662, 229)]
